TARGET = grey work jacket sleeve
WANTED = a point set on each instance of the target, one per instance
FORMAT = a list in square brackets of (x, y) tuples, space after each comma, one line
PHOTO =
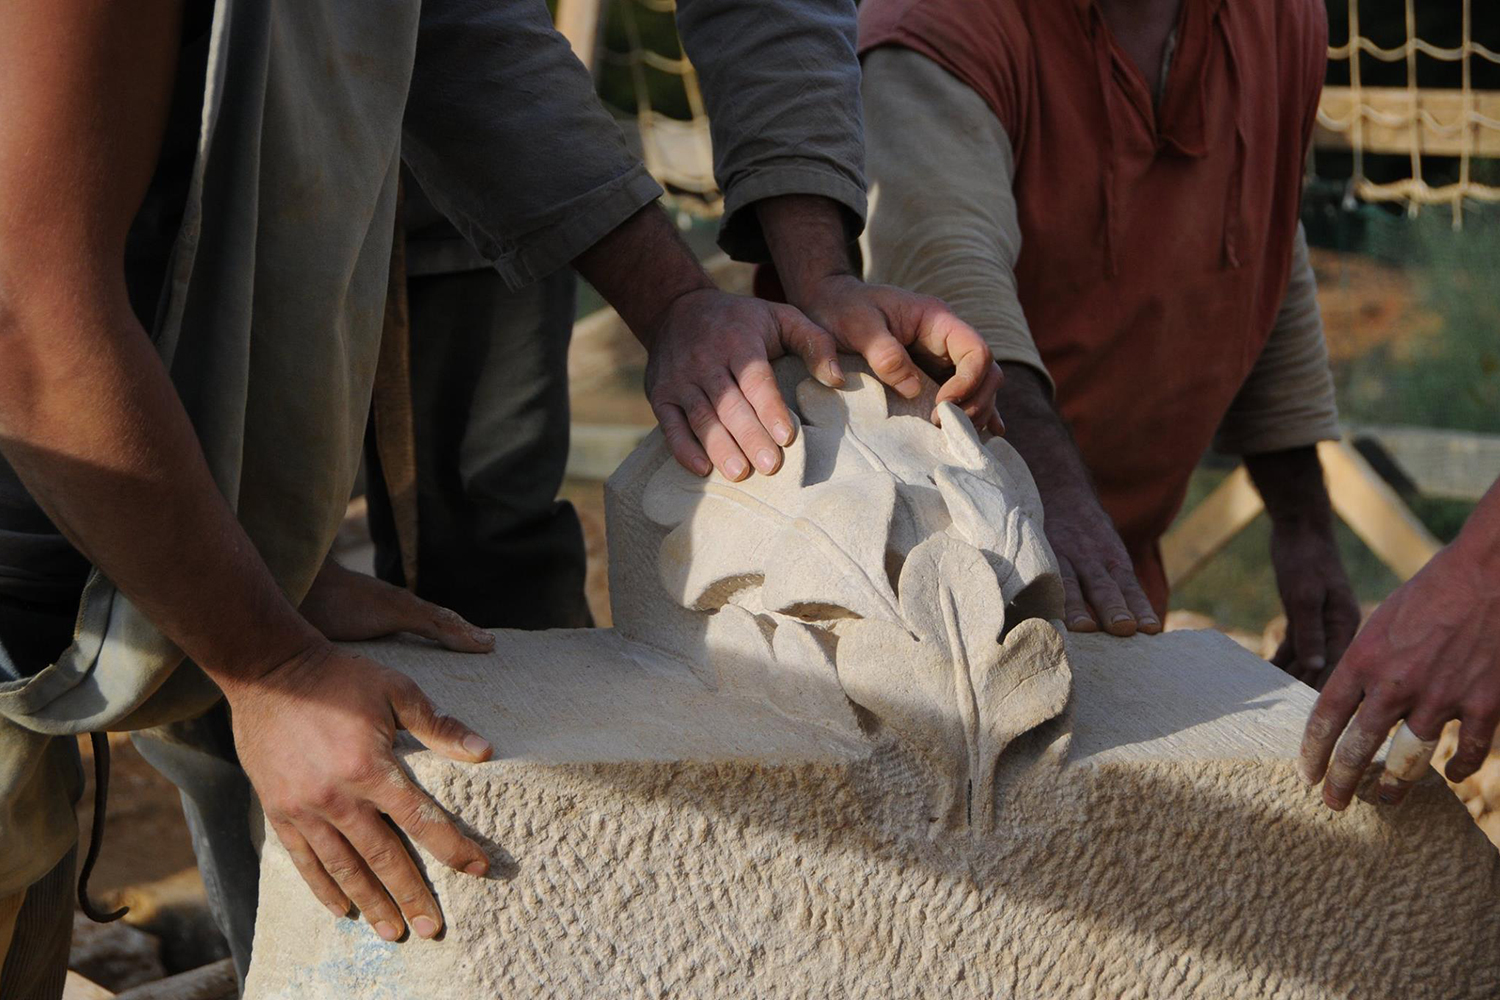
[(780, 80), (1288, 399), (943, 217), (508, 139)]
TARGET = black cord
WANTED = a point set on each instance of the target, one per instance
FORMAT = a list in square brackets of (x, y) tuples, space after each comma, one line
[(100, 743)]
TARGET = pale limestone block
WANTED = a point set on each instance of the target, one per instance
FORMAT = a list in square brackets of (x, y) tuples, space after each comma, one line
[(836, 747)]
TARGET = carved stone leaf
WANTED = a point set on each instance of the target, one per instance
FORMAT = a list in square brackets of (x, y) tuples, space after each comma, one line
[(901, 446), (830, 560), (951, 689), (825, 557), (1025, 686), (674, 493), (1012, 542)]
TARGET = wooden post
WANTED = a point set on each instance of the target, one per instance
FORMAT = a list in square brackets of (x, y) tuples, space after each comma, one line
[(1374, 510), (578, 20), (1212, 524)]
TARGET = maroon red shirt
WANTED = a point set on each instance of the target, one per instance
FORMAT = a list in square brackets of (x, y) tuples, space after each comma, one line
[(1157, 241)]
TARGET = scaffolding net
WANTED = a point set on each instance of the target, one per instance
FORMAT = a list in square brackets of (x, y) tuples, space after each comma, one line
[(643, 73), (1417, 116)]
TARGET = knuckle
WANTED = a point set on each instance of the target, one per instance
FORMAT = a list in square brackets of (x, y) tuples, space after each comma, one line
[(384, 856), (343, 868)]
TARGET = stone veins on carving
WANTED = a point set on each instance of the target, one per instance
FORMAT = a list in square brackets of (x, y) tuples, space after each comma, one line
[(898, 562)]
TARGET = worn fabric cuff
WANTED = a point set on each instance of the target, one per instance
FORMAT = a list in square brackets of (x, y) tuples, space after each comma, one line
[(1253, 440), (573, 227), (740, 234)]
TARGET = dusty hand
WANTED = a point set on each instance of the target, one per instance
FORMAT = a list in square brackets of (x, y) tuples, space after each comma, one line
[(1321, 612), (349, 607), (1427, 655), (1099, 583), (315, 736), (710, 382), (896, 331)]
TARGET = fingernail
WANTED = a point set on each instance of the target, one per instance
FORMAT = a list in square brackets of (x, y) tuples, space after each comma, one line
[(476, 745), (1306, 775), (835, 371), (765, 461), (1083, 624), (1149, 623), (782, 432), (424, 927), (735, 468), (909, 386), (387, 930), (1315, 662), (338, 914), (478, 869), (1117, 619), (482, 636), (703, 467)]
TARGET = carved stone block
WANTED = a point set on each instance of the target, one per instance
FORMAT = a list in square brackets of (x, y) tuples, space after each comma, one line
[(836, 747)]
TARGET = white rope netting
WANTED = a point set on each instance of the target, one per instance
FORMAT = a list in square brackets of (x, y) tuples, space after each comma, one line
[(677, 151), (1417, 122)]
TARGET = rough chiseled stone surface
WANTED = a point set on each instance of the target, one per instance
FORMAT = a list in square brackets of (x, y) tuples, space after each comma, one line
[(749, 791)]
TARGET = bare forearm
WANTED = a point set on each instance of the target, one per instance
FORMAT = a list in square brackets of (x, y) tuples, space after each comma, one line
[(1291, 484), (641, 268), (805, 234), (1036, 430), (1479, 542), (96, 432), (88, 416)]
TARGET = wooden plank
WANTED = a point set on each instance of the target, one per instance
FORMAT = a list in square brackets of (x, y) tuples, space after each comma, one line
[(1374, 511), (1397, 124), (1449, 465), (596, 450), (76, 987), (1223, 514), (216, 981), (578, 20)]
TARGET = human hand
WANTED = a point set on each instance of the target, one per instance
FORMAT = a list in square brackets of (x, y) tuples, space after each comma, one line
[(897, 331), (1100, 588), (315, 736), (1427, 655), (710, 382), (349, 607), (1321, 612)]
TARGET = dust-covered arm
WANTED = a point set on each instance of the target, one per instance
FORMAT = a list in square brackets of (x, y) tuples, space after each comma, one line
[(1428, 656), (1285, 407), (944, 222)]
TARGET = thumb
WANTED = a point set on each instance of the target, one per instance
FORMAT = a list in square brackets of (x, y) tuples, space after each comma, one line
[(810, 342), (437, 732)]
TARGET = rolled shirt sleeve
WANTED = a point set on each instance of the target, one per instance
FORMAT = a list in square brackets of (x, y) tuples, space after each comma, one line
[(780, 81), (1288, 400), (507, 138), (943, 217)]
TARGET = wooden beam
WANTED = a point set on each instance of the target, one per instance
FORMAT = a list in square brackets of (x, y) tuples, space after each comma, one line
[(578, 20), (1374, 511), (1430, 120), (1212, 524), (1449, 465), (216, 981)]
